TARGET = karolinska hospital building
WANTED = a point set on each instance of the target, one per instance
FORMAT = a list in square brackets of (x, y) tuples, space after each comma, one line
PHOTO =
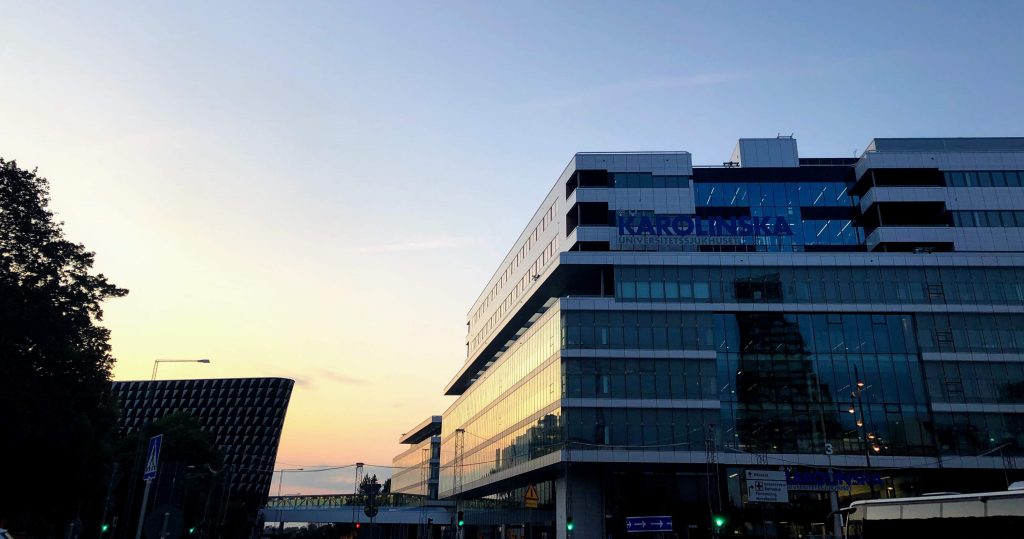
[(660, 329)]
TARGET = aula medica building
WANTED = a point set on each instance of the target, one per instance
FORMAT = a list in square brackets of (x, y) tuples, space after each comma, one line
[(660, 329)]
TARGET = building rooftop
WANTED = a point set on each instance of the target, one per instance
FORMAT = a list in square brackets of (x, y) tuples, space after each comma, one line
[(430, 426), (984, 144)]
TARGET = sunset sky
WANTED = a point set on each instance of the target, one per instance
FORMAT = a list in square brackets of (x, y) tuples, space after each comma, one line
[(320, 190)]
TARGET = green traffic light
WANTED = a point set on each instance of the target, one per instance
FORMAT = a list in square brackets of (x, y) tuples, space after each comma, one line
[(192, 530), (105, 528), (570, 525), (719, 521)]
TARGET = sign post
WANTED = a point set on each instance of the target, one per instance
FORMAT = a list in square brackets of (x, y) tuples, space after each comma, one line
[(767, 486), (152, 463)]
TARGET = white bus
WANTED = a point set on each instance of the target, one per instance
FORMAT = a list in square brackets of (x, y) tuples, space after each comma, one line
[(986, 515)]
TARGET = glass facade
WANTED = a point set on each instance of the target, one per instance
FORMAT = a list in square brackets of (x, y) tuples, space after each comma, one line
[(985, 178), (895, 285), (652, 360), (417, 469), (784, 380), (821, 213), (766, 382), (511, 414), (989, 218)]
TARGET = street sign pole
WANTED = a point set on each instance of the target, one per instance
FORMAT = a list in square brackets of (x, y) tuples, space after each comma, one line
[(148, 474), (833, 495), (142, 510)]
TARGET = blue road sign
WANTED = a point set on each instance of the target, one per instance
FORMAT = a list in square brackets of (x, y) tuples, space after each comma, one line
[(152, 457), (648, 524)]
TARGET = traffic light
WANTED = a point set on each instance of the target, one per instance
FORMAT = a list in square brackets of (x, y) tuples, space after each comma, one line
[(358, 525), (718, 521), (192, 530), (462, 519), (569, 524), (104, 528)]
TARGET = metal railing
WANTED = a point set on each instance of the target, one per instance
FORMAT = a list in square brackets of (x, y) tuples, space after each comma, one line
[(327, 501)]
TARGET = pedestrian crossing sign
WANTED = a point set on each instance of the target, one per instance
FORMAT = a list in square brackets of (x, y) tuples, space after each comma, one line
[(152, 457)]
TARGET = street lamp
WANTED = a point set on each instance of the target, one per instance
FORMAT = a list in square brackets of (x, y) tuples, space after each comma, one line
[(865, 436), (157, 362), (280, 480)]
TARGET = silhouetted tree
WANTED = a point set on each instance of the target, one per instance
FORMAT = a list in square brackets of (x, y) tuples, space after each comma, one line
[(191, 473), (56, 417), (364, 485)]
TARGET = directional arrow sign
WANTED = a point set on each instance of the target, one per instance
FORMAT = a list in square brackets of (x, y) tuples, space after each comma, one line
[(648, 524)]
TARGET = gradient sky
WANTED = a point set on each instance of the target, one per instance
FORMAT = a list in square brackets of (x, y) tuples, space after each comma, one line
[(320, 190)]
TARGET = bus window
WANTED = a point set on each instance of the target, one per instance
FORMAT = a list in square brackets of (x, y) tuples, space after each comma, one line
[(963, 509), (921, 510), (1010, 507), (883, 512)]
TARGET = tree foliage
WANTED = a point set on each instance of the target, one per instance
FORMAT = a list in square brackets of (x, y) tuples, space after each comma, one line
[(364, 485), (56, 417), (192, 473)]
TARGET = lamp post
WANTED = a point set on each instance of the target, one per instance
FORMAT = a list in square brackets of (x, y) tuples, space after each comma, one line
[(857, 404), (280, 480), (157, 362), (146, 405)]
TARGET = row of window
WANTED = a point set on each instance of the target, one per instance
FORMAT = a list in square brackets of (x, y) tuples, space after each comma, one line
[(785, 428), (985, 178), (746, 333), (826, 284), (637, 329), (632, 378), (778, 194), (655, 429), (827, 379), (522, 384), (906, 430), (970, 434), (515, 365), (985, 333), (1007, 219), (647, 179), (975, 381), (483, 457), (512, 298), (531, 239)]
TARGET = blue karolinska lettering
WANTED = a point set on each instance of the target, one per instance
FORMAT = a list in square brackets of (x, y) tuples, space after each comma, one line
[(694, 225)]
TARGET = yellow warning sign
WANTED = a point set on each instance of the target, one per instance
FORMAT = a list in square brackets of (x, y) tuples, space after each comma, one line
[(531, 498)]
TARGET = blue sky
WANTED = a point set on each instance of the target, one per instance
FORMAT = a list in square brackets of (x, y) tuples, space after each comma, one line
[(319, 190)]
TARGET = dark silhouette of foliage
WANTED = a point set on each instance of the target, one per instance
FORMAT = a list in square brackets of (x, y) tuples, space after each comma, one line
[(364, 485), (56, 418), (191, 474)]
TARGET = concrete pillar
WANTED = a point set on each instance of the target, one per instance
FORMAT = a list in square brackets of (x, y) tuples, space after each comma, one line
[(587, 505)]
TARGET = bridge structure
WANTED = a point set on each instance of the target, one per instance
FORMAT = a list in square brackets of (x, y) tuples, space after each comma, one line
[(393, 508)]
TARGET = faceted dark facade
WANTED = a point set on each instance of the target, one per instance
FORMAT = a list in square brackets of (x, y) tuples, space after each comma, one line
[(245, 415)]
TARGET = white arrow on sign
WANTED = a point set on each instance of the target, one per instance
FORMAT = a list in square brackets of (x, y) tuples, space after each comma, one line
[(151, 462), (642, 524), (658, 524)]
